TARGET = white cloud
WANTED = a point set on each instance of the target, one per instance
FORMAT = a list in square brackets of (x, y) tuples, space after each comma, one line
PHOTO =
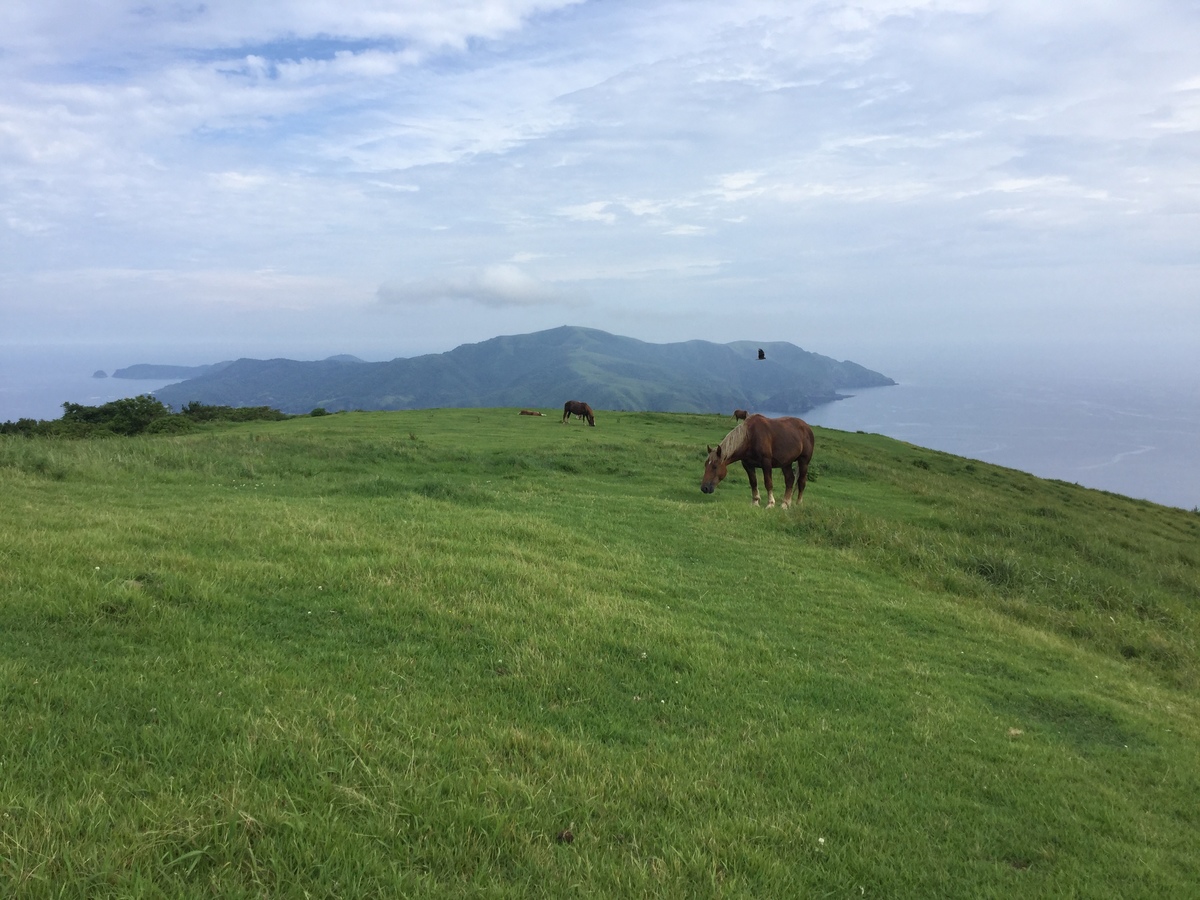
[(47, 28), (497, 286), (596, 211), (863, 149), (738, 186), (213, 290)]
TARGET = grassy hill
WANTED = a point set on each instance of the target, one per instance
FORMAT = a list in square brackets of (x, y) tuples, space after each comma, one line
[(546, 368), (399, 654)]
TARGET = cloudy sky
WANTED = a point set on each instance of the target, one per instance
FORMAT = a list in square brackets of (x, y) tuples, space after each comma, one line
[(389, 177)]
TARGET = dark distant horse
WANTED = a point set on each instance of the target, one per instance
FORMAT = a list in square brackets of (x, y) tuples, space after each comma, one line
[(578, 408), (740, 414), (762, 443)]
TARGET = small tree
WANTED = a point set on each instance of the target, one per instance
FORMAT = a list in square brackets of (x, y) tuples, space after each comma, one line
[(131, 415)]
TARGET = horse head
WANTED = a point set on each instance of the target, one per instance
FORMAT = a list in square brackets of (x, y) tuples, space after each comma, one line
[(715, 468)]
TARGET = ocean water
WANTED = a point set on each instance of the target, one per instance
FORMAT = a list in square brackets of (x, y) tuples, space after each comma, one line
[(1134, 436), (1137, 439), (36, 381)]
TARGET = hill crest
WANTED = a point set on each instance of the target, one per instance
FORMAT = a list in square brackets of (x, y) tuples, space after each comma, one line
[(543, 369)]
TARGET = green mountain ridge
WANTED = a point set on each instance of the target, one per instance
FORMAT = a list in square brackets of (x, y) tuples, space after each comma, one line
[(542, 369), (147, 371)]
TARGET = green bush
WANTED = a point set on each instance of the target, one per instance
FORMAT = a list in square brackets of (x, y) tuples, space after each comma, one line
[(136, 415), (171, 425), (202, 412), (26, 427), (130, 415)]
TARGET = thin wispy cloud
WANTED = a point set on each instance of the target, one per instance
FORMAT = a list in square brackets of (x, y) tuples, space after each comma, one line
[(596, 211), (912, 164)]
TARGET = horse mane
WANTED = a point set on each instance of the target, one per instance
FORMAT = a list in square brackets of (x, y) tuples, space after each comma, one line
[(734, 440)]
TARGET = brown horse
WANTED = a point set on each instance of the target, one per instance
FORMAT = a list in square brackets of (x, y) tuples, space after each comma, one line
[(578, 408), (740, 414), (765, 444)]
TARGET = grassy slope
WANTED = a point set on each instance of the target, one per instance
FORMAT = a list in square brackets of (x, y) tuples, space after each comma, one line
[(385, 653)]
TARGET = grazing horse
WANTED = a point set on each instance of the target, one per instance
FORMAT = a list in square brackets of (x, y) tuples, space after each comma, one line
[(762, 443), (578, 408), (740, 414)]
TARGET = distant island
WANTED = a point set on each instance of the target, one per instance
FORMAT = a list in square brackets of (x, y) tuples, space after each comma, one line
[(542, 369)]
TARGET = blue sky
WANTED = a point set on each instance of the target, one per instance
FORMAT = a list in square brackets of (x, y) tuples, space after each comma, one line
[(878, 181)]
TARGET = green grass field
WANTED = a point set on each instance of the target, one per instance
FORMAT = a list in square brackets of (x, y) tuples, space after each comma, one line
[(398, 654)]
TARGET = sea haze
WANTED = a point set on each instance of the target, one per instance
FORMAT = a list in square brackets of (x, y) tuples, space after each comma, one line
[(1134, 436)]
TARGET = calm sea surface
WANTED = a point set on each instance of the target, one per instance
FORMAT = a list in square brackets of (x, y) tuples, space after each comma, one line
[(35, 383), (1140, 440), (1137, 439)]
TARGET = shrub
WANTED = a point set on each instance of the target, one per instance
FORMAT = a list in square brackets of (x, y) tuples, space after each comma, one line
[(128, 416), (136, 415), (171, 425)]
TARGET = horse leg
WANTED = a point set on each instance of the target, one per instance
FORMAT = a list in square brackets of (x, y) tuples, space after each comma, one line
[(767, 480), (789, 479), (803, 479), (753, 482)]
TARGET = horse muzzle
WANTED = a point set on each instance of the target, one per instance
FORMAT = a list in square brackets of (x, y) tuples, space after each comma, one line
[(707, 487)]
